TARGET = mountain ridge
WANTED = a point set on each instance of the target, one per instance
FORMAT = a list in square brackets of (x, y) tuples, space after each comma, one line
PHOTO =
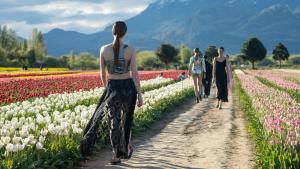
[(197, 23)]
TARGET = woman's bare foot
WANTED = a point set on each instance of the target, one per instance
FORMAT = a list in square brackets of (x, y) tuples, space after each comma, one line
[(217, 105), (115, 160), (220, 106)]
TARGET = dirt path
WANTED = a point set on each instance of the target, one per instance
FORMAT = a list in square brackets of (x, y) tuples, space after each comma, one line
[(193, 136)]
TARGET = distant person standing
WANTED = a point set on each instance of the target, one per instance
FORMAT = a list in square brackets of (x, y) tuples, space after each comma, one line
[(208, 78), (197, 70), (220, 70)]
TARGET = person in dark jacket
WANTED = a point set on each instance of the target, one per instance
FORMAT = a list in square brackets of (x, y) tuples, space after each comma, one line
[(208, 78)]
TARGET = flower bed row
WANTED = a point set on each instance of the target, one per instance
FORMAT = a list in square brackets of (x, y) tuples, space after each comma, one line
[(47, 139), (30, 74), (279, 115), (23, 89), (64, 101), (278, 77)]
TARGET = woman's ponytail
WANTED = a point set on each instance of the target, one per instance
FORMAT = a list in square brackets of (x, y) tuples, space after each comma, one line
[(119, 30)]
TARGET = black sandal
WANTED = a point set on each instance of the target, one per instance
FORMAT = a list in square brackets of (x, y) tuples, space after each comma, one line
[(128, 156)]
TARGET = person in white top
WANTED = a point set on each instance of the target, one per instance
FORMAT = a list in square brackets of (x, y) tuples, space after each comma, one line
[(197, 70)]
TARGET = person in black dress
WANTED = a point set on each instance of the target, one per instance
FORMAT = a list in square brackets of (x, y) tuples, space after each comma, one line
[(220, 69), (207, 80)]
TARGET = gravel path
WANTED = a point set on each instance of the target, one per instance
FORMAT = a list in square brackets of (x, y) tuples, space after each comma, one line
[(193, 136)]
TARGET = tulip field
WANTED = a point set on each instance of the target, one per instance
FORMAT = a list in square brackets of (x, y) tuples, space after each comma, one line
[(23, 88), (42, 116), (272, 99)]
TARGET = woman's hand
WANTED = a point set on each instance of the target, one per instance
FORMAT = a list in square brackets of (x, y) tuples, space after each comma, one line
[(140, 100)]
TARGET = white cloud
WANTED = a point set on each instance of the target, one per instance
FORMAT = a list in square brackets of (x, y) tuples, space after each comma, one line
[(68, 8), (78, 15)]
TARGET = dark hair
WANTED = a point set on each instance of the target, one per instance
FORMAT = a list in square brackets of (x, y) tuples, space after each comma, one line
[(222, 48), (119, 30), (196, 50)]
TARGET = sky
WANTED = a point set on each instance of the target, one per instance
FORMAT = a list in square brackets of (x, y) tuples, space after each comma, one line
[(85, 16)]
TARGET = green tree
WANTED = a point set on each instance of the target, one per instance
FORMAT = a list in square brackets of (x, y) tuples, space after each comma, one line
[(64, 61), (72, 60), (167, 54), (38, 45), (280, 52), (3, 58), (31, 58), (3, 37), (24, 45), (8, 39), (253, 50), (23, 59), (52, 62), (211, 52), (87, 61), (185, 54)]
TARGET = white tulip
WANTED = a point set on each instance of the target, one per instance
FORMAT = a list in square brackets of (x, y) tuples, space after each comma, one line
[(42, 139), (26, 141), (16, 140), (44, 132), (9, 147), (5, 140), (39, 145)]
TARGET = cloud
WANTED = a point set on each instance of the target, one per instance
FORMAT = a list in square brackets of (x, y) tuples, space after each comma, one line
[(66, 8), (85, 26), (78, 15)]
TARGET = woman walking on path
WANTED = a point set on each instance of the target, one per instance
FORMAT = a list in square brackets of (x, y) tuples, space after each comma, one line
[(197, 69), (119, 98), (208, 77), (220, 70)]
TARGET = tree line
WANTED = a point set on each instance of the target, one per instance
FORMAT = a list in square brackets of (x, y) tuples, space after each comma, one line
[(19, 52), (15, 51), (252, 51)]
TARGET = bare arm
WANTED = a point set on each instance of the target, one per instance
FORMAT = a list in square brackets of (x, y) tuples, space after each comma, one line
[(134, 72), (102, 67), (190, 65), (214, 69), (228, 69)]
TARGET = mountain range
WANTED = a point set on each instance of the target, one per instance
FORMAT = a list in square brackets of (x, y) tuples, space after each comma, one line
[(196, 23)]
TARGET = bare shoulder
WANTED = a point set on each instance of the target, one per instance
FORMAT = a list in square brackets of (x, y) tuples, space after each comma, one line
[(106, 47)]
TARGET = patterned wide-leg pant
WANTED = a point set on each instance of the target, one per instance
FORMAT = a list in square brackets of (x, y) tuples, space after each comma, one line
[(118, 102)]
